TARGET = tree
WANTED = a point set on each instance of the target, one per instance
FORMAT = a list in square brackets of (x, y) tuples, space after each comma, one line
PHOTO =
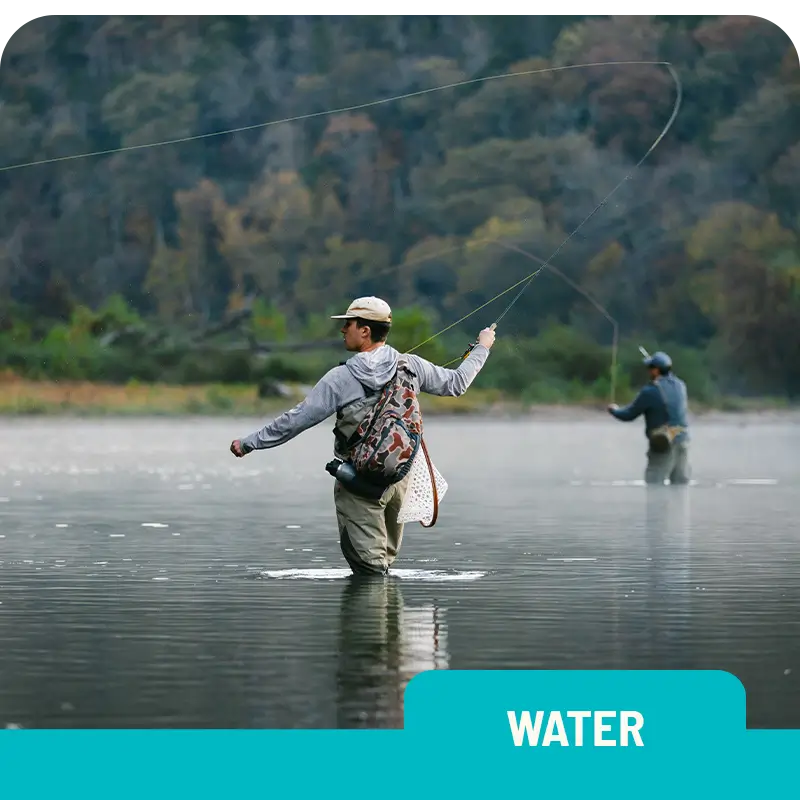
[(749, 284)]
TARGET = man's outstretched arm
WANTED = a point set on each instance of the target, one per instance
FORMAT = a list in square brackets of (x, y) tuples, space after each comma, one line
[(453, 382), (322, 401), (633, 410)]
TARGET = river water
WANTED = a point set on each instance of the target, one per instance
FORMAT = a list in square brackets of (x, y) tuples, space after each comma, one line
[(150, 579)]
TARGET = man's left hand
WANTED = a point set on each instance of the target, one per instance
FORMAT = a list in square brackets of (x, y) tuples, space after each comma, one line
[(236, 448), (613, 407)]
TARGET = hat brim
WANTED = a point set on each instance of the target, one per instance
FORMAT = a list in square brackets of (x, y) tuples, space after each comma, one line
[(362, 316)]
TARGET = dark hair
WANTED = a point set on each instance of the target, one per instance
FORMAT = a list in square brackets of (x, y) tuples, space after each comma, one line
[(378, 330), (662, 370)]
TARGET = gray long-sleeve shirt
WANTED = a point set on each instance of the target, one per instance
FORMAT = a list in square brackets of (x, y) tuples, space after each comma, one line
[(345, 384)]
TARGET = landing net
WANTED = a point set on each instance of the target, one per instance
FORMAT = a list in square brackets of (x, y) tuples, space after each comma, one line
[(419, 504)]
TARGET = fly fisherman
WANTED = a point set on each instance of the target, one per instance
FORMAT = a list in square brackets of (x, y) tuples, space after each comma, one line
[(369, 534), (664, 403)]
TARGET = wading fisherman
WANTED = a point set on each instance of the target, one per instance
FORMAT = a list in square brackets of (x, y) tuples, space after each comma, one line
[(664, 403), (369, 534)]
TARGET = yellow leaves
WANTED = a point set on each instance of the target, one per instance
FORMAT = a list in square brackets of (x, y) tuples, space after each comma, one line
[(606, 262), (327, 212), (495, 228), (705, 293), (342, 130), (428, 248), (236, 239), (309, 84), (480, 260), (236, 301), (786, 171), (602, 276), (200, 209), (255, 238), (342, 271), (281, 205), (748, 281), (736, 227), (349, 124)]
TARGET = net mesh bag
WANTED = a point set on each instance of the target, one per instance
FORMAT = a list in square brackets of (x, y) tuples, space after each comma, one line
[(418, 503)]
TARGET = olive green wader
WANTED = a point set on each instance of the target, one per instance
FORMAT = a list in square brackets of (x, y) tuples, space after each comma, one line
[(369, 533), (672, 464)]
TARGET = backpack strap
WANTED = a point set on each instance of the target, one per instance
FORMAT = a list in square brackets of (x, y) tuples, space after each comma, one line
[(433, 487), (666, 403), (663, 396), (671, 430)]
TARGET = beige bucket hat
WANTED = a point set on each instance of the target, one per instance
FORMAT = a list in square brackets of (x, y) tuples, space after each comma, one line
[(372, 308)]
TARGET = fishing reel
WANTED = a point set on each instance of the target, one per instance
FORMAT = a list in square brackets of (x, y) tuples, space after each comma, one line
[(474, 344)]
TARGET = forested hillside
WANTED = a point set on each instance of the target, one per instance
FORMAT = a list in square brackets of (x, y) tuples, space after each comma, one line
[(124, 265)]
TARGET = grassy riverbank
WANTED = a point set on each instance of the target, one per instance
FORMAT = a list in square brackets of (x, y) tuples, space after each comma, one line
[(20, 396), (24, 397)]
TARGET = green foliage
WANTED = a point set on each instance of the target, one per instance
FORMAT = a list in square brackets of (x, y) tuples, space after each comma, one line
[(561, 362), (108, 264), (283, 369), (267, 322), (411, 327)]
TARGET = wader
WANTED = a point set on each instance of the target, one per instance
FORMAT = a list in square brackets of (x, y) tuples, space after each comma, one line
[(369, 534), (672, 464)]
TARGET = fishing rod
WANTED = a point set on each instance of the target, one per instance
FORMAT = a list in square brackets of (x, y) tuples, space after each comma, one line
[(526, 282)]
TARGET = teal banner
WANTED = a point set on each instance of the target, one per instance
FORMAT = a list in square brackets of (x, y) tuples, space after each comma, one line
[(615, 734)]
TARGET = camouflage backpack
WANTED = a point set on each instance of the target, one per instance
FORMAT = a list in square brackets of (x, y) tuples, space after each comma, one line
[(383, 447)]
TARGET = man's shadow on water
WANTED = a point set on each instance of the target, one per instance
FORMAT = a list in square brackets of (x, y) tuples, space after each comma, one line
[(668, 570), (382, 644)]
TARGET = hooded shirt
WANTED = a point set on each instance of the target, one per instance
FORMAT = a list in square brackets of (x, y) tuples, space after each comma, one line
[(361, 378)]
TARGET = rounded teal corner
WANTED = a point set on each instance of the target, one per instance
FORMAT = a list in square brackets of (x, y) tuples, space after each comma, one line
[(428, 681), (772, 22), (735, 682), (21, 27), (424, 678)]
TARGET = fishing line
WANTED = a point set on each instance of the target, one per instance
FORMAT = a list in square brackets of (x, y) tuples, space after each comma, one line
[(588, 296), (329, 112), (526, 281), (529, 279)]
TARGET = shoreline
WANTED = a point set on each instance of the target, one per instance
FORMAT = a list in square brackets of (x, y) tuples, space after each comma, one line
[(84, 399)]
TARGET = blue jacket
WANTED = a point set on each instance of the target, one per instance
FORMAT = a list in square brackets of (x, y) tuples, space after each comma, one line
[(656, 412)]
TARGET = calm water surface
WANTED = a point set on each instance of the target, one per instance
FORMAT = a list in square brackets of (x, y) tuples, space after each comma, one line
[(150, 579)]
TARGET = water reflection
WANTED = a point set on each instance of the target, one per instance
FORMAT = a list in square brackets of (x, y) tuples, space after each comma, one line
[(668, 545), (382, 644)]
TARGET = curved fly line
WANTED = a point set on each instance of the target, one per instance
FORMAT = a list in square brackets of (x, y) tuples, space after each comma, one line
[(527, 280)]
